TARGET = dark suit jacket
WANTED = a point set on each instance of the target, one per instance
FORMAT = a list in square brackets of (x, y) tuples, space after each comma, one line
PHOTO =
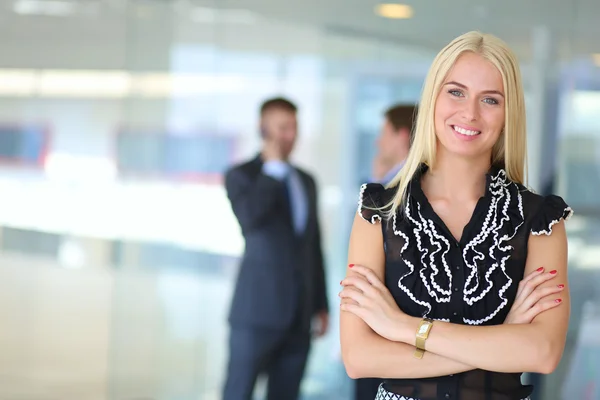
[(281, 278)]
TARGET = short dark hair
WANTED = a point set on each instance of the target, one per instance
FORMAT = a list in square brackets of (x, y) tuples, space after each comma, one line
[(402, 116), (278, 103)]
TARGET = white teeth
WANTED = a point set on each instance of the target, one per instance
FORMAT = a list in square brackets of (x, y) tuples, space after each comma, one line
[(466, 131)]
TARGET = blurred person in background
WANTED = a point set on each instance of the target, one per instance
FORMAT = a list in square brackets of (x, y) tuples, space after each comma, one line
[(281, 286), (393, 144), (457, 274)]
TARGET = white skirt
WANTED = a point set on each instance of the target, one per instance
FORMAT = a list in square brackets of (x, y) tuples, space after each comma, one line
[(383, 394)]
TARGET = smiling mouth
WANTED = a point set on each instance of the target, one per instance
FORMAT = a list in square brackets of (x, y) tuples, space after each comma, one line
[(465, 132)]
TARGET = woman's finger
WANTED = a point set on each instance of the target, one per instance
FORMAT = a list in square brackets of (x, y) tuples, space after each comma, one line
[(358, 296), (347, 300), (542, 306), (354, 309), (539, 294), (528, 280), (530, 285), (529, 277), (533, 274), (369, 274), (360, 283)]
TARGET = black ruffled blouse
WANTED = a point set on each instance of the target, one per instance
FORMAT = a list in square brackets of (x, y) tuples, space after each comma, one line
[(472, 281)]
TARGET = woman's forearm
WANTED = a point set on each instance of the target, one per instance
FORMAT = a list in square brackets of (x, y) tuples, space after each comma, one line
[(377, 357), (531, 347), (500, 348)]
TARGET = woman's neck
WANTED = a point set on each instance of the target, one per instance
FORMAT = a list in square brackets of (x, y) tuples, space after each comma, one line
[(456, 178)]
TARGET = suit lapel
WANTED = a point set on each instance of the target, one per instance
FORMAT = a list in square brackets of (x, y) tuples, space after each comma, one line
[(256, 166)]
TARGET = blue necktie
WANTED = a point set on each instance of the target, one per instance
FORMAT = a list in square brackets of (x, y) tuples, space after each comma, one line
[(286, 192), (288, 201)]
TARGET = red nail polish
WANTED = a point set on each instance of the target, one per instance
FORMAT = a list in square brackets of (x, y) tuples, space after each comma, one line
[(553, 272), (540, 269), (558, 300), (561, 286), (351, 265)]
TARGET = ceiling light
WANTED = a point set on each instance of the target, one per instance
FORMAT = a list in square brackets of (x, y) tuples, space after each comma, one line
[(54, 8), (394, 11), (233, 16), (596, 58), (17, 82), (69, 83)]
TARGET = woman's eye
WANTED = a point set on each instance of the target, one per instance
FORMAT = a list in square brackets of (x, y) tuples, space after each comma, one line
[(455, 92), (490, 100)]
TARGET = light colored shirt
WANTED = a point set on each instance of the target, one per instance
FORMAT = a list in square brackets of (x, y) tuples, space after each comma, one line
[(387, 178), (283, 171)]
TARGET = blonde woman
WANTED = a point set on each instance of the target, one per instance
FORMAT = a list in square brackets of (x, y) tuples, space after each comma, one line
[(457, 281)]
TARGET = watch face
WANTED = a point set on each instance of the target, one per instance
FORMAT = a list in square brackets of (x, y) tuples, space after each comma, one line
[(423, 329)]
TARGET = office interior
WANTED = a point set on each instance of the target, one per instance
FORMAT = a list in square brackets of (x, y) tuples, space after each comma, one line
[(118, 247)]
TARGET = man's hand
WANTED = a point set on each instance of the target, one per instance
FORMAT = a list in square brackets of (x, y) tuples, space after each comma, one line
[(272, 150), (322, 324)]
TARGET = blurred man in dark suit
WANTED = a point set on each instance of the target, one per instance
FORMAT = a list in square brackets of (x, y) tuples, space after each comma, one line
[(281, 284)]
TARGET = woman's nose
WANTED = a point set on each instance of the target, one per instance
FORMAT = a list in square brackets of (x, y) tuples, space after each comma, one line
[(471, 110)]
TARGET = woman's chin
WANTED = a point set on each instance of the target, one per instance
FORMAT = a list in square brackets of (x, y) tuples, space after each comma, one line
[(466, 152)]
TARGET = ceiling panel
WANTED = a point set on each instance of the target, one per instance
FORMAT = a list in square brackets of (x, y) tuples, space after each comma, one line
[(125, 23)]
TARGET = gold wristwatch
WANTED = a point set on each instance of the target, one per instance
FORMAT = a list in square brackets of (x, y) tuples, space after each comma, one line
[(422, 335)]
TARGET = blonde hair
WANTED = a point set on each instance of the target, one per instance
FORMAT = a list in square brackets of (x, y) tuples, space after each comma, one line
[(508, 153)]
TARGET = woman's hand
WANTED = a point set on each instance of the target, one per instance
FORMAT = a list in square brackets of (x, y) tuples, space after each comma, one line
[(365, 296), (533, 300)]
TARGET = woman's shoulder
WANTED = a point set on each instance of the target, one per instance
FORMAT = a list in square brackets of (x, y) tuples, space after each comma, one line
[(373, 199), (543, 211)]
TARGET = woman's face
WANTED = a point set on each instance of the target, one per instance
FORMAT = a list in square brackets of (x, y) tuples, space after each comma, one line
[(469, 111)]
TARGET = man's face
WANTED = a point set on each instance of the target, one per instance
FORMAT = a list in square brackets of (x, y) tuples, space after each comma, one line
[(390, 144), (281, 126)]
